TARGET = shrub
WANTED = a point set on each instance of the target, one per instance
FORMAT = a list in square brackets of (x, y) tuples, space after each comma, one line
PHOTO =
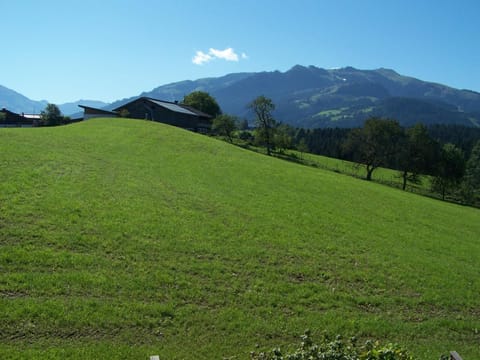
[(337, 349)]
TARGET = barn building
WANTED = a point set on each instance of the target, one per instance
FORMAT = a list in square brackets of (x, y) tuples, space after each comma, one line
[(11, 119), (90, 112), (171, 113)]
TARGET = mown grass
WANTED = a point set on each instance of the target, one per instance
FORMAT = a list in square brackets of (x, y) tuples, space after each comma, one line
[(122, 239), (381, 175)]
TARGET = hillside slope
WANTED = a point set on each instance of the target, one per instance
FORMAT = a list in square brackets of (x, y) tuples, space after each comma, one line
[(123, 239)]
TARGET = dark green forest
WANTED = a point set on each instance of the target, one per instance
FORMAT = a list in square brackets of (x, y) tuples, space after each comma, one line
[(445, 152)]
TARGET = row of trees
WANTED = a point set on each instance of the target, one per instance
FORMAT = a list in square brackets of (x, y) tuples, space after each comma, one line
[(414, 152), (330, 141), (383, 142), (379, 143)]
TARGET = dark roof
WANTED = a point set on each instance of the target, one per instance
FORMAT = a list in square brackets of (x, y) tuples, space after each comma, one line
[(175, 107), (172, 106), (9, 112), (98, 111), (198, 112), (15, 119)]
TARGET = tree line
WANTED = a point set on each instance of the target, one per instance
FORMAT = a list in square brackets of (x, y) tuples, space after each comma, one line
[(450, 155)]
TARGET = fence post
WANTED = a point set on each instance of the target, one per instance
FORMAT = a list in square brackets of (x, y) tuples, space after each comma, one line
[(454, 356)]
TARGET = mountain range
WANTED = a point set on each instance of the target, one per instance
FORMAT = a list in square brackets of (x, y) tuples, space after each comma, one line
[(313, 97), (19, 103)]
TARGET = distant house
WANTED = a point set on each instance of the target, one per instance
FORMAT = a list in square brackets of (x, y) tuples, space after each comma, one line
[(90, 112), (171, 113), (34, 118), (11, 119)]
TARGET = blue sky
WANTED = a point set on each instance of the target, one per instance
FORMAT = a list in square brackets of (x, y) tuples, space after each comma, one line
[(110, 49)]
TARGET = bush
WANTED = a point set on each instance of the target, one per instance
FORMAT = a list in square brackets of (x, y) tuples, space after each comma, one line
[(246, 136), (336, 350)]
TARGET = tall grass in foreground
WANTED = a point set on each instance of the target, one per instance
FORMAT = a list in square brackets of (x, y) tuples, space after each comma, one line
[(121, 239)]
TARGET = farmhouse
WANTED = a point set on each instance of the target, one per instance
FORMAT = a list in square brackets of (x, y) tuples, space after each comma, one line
[(171, 113), (90, 112), (34, 118), (11, 119)]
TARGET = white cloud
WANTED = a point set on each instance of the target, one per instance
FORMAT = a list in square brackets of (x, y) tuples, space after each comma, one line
[(228, 54), (200, 58)]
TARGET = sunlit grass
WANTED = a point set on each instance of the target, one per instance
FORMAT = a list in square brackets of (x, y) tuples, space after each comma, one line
[(123, 239), (381, 175)]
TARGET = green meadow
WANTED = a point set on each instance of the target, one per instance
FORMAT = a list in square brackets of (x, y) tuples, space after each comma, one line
[(380, 175), (121, 239)]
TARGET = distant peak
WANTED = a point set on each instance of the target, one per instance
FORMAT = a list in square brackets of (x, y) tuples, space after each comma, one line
[(310, 68), (344, 69), (386, 70), (297, 68)]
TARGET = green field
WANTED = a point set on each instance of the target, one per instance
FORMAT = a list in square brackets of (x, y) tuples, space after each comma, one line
[(123, 239), (380, 175)]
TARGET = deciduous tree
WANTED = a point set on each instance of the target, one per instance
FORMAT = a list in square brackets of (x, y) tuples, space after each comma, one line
[(264, 121), (302, 147), (51, 116), (449, 171), (374, 144), (225, 125), (204, 102), (471, 180), (243, 124), (417, 154), (283, 137)]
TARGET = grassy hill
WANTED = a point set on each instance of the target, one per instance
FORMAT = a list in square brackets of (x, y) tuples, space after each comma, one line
[(123, 239)]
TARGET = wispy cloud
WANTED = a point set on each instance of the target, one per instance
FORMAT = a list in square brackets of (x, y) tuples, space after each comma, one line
[(228, 54)]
